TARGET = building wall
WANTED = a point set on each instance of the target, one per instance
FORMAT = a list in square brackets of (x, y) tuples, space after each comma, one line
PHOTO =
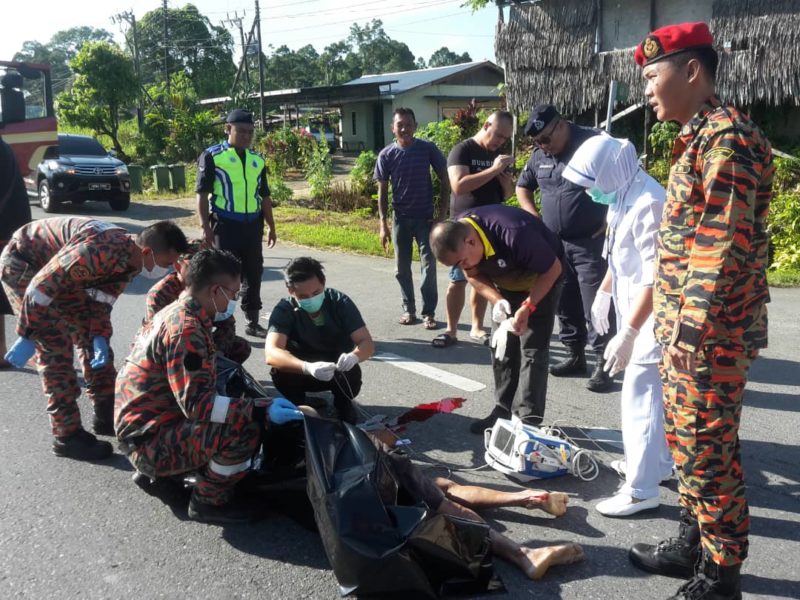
[(625, 22), (364, 129)]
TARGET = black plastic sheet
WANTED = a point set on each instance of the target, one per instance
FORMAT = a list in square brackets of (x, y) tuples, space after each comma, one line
[(376, 546)]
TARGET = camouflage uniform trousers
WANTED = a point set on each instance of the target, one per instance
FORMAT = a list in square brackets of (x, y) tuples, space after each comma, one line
[(220, 452), (701, 418), (55, 355), (231, 345)]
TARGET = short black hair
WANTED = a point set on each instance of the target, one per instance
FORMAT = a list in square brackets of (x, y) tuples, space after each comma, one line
[(302, 269), (207, 265), (163, 236), (707, 57), (448, 237), (404, 112), (503, 114)]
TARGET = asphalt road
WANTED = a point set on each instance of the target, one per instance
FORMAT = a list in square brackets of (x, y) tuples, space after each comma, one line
[(76, 530)]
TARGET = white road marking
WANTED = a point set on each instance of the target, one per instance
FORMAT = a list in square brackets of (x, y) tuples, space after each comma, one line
[(440, 375)]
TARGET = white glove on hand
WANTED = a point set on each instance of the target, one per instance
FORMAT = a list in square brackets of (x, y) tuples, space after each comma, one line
[(600, 309), (500, 339), (619, 350), (501, 311), (346, 362), (320, 370)]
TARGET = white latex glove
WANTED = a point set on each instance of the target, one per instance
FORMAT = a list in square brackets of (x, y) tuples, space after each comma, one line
[(500, 339), (600, 309), (501, 311), (320, 370), (619, 350), (346, 362)]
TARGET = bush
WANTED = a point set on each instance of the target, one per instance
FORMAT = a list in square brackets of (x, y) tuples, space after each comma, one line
[(343, 198), (662, 137), (290, 147), (361, 180), (319, 171), (445, 134), (784, 228)]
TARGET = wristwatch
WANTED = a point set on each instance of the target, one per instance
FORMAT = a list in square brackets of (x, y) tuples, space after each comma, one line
[(529, 305)]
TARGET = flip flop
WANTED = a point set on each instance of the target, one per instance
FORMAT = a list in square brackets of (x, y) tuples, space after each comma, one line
[(483, 338), (407, 318), (443, 340), (428, 322)]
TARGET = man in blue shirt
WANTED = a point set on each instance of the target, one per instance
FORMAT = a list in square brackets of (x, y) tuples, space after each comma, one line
[(513, 261), (407, 163), (581, 224)]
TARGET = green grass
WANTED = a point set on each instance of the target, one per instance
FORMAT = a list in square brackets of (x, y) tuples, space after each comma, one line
[(350, 232), (784, 278)]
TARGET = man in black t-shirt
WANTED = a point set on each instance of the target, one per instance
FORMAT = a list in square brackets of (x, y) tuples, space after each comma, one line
[(479, 175), (316, 340)]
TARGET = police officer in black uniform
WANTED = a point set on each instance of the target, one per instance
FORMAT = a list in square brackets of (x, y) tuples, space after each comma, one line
[(233, 202), (580, 223)]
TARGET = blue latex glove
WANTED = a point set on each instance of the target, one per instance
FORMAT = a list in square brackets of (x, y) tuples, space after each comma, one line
[(20, 352), (101, 353), (282, 411)]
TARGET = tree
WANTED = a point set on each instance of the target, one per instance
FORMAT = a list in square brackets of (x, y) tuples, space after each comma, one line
[(194, 46), (377, 52), (444, 57), (288, 68), (334, 66), (104, 86), (61, 48)]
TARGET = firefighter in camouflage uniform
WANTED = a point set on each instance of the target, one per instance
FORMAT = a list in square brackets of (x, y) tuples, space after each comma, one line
[(710, 299), (167, 290), (169, 414), (62, 277)]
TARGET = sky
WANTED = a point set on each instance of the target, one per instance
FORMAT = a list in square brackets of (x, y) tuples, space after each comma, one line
[(424, 25)]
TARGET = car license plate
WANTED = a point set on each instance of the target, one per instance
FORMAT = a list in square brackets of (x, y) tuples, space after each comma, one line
[(99, 186)]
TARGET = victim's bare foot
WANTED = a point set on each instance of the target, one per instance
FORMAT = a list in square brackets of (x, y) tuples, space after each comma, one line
[(554, 503), (535, 562)]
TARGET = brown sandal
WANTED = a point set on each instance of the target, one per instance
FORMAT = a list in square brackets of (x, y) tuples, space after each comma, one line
[(407, 318), (428, 322)]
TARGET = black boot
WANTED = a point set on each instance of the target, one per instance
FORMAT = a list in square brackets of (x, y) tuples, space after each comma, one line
[(254, 328), (674, 557), (481, 425), (712, 582), (103, 422), (600, 380), (82, 445), (574, 364), (220, 514)]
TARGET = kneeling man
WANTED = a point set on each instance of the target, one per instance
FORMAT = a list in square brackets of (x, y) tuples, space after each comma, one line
[(168, 413)]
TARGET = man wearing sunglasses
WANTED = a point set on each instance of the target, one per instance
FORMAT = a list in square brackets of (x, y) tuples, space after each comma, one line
[(580, 223)]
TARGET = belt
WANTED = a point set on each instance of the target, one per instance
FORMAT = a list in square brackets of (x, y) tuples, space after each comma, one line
[(238, 217)]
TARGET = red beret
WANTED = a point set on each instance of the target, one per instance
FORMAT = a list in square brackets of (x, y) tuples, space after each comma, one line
[(673, 39)]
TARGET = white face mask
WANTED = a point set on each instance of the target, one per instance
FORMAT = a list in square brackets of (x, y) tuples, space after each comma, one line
[(229, 310), (157, 272)]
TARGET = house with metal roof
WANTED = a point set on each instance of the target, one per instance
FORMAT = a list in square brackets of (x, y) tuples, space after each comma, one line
[(365, 105)]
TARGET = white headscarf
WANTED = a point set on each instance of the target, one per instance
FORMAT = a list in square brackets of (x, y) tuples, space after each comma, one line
[(603, 162)]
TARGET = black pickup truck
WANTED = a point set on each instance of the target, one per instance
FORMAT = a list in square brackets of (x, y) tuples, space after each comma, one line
[(80, 169)]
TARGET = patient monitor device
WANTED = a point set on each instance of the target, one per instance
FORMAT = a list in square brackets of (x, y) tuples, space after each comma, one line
[(526, 452)]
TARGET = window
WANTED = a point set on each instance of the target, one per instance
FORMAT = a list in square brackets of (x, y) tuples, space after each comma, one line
[(80, 146), (353, 123)]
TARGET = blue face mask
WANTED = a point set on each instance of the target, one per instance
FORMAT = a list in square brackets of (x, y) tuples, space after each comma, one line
[(601, 198), (221, 316), (313, 304)]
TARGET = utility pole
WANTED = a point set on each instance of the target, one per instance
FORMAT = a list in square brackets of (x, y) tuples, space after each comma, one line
[(237, 21), (242, 62), (130, 18), (260, 66), (166, 49)]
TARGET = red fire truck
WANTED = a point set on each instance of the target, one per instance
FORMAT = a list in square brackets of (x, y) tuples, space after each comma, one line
[(27, 118)]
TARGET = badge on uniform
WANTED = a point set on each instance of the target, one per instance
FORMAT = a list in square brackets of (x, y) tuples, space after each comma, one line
[(719, 153), (79, 273), (682, 169)]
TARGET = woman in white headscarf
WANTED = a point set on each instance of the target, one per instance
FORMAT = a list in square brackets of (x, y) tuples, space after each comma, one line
[(610, 171)]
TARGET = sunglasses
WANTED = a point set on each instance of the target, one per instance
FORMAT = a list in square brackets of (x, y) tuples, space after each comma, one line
[(546, 138)]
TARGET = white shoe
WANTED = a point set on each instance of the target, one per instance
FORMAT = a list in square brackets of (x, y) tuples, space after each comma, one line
[(623, 505), (619, 467)]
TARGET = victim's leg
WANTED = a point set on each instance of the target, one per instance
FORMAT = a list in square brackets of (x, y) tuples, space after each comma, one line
[(481, 498)]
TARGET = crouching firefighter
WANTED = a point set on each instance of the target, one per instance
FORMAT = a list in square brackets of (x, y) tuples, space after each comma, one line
[(169, 416)]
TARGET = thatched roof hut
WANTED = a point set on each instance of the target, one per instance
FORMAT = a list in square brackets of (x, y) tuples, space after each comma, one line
[(553, 50)]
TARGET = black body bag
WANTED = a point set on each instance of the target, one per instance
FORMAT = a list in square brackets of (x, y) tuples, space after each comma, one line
[(376, 546)]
